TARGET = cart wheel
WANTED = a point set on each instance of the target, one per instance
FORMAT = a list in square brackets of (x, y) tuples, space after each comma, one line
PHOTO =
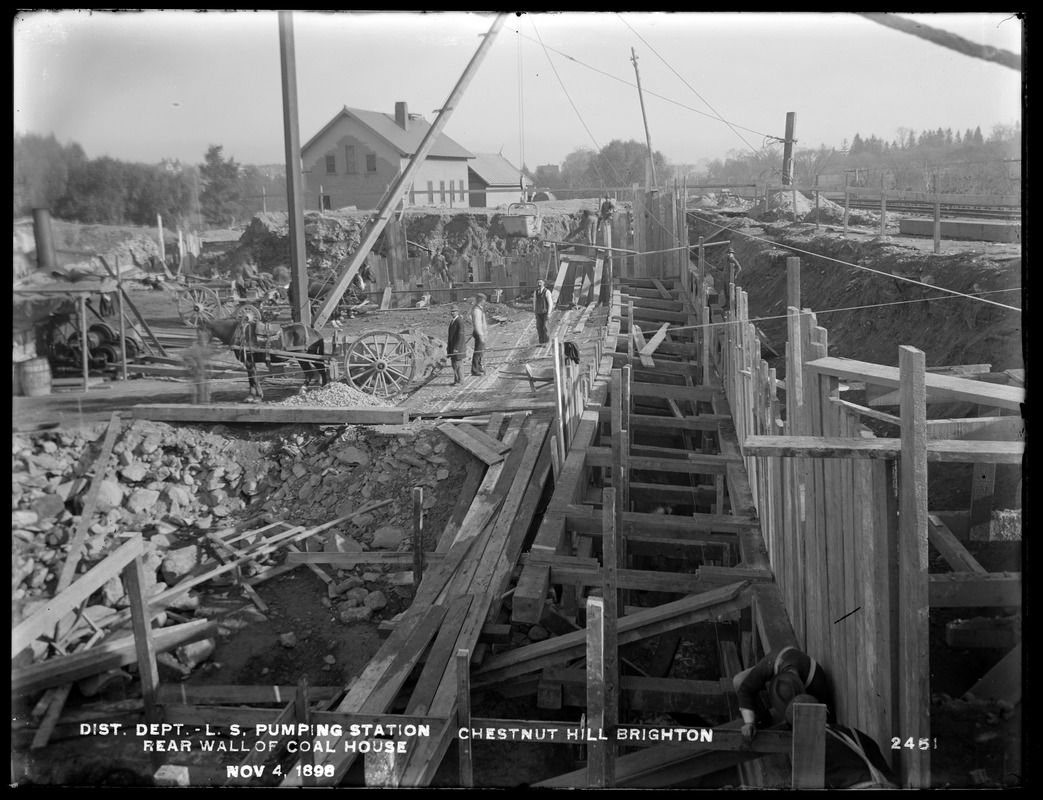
[(379, 363), (107, 352), (247, 313), (196, 306)]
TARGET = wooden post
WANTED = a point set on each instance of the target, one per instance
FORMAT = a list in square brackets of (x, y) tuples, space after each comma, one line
[(610, 598), (123, 321), (302, 712), (559, 399), (418, 536), (730, 258), (808, 755), (937, 215), (606, 285), (84, 349), (144, 646), (598, 776), (793, 282), (162, 244), (816, 203), (463, 715), (883, 207), (913, 632), (847, 200)]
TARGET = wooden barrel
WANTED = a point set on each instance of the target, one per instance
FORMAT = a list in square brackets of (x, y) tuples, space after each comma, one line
[(36, 377)]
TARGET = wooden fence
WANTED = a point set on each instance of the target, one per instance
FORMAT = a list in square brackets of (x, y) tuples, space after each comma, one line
[(844, 515)]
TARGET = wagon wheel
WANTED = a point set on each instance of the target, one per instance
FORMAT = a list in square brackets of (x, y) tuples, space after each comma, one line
[(198, 305), (380, 363), (247, 313)]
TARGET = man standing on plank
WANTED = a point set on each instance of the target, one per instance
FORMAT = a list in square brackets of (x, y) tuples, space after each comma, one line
[(541, 303), (456, 345), (478, 331)]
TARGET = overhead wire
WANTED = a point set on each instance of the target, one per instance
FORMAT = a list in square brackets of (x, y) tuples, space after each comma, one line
[(714, 110)]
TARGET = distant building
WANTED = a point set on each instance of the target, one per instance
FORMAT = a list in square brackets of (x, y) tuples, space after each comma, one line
[(358, 154), (494, 180)]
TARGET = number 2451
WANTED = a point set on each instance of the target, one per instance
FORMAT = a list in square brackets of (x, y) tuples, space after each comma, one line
[(919, 744)]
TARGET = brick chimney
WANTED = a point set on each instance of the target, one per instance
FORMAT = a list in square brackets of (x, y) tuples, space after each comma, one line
[(402, 116)]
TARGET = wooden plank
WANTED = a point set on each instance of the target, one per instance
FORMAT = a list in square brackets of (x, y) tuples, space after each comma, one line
[(463, 716), (639, 525), (105, 656), (975, 589), (144, 643), (978, 428), (472, 445), (170, 694), (693, 463), (939, 388), (914, 654), (655, 341), (951, 548), (599, 762), (483, 438), (809, 746), (635, 627), (443, 649), (83, 523), (42, 622), (666, 295), (272, 414), (937, 450), (385, 300), (1002, 682), (693, 394)]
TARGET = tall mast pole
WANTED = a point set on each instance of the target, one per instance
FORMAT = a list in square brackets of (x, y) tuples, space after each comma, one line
[(351, 265), (651, 182)]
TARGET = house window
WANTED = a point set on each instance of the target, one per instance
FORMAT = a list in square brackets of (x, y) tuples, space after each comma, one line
[(331, 165), (441, 191), (430, 193), (326, 204), (452, 191), (371, 162), (349, 157)]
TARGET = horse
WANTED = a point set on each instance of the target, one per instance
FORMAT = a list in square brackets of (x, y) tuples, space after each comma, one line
[(252, 341)]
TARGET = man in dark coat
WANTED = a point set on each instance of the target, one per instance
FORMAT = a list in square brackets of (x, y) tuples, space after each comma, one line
[(541, 302), (784, 674), (456, 345)]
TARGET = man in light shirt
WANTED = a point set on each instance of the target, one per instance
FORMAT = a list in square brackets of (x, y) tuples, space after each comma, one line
[(478, 330), (541, 305)]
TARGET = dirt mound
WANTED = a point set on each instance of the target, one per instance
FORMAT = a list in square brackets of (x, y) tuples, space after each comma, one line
[(779, 207)]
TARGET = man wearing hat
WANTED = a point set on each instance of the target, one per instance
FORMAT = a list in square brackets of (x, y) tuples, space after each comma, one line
[(456, 344), (478, 331), (783, 674), (541, 301)]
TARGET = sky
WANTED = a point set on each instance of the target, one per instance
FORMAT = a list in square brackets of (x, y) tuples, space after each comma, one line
[(144, 86)]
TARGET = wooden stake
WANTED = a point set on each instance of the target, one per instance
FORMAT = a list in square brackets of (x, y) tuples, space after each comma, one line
[(598, 765), (418, 536), (144, 645), (913, 640), (463, 716)]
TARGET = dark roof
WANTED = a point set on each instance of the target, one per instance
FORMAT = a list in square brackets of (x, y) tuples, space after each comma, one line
[(406, 142), (496, 170)]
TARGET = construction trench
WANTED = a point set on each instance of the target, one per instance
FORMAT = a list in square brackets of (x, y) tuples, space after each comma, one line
[(552, 580)]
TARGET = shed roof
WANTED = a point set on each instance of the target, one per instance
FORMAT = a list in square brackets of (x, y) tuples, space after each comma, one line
[(407, 142), (495, 170)]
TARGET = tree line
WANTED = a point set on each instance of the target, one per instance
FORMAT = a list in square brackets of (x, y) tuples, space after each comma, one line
[(960, 162), (107, 191)]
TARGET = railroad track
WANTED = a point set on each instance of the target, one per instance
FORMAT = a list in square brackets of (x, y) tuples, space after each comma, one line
[(927, 208)]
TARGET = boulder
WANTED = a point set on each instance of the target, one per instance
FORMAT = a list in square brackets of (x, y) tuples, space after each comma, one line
[(23, 519), (359, 593), (142, 500), (387, 537), (375, 601), (134, 472), (49, 506), (195, 653), (179, 562), (349, 615), (537, 633), (110, 496), (352, 455), (288, 640)]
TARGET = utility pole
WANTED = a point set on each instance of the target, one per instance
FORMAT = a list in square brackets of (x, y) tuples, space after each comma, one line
[(651, 182), (787, 148), (301, 310)]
